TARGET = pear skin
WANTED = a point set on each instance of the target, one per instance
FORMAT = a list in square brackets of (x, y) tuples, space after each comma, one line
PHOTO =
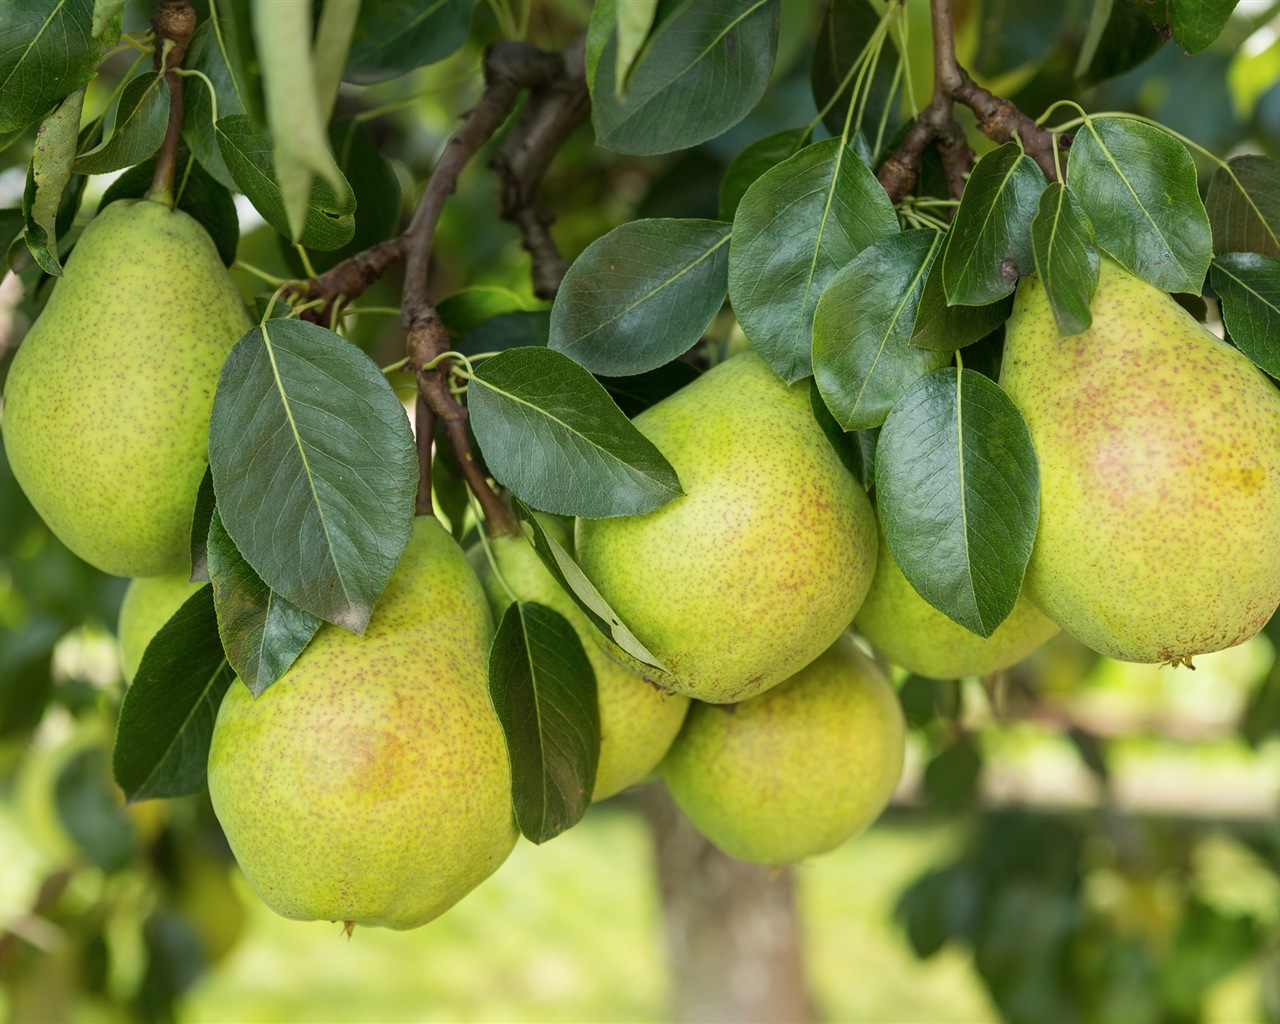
[(762, 563), (370, 783), (148, 604), (1159, 450), (913, 634), (107, 403), (796, 771)]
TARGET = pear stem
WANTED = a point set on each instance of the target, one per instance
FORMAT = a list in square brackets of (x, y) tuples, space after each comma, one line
[(174, 24)]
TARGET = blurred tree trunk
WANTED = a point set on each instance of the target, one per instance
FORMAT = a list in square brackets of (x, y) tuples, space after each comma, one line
[(733, 936)]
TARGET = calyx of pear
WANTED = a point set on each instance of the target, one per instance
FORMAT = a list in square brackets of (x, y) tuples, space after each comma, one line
[(762, 563), (1159, 450), (106, 407), (370, 783), (795, 771)]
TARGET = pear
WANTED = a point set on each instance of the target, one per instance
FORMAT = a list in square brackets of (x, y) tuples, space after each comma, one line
[(910, 632), (106, 409), (762, 563), (370, 783), (1159, 450), (638, 720), (796, 771), (148, 604)]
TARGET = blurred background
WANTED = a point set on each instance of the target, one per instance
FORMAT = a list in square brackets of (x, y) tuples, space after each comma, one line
[(1076, 840)]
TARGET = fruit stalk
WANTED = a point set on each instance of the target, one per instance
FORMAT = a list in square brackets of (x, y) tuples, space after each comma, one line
[(174, 24)]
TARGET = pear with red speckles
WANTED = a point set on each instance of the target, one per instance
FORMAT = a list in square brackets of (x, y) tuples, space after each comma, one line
[(106, 407), (762, 563), (1159, 450), (370, 783)]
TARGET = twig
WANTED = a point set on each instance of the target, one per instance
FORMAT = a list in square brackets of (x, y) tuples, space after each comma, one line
[(174, 24), (348, 280)]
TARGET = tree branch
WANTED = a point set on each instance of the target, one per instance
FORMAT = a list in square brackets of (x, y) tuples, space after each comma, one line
[(174, 24)]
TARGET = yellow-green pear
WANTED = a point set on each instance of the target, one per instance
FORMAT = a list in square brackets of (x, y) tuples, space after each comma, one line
[(638, 720), (910, 632), (1159, 449), (148, 604), (796, 771), (762, 563), (106, 408), (370, 783)]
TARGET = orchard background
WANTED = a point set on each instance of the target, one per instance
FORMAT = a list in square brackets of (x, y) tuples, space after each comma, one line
[(1073, 839)]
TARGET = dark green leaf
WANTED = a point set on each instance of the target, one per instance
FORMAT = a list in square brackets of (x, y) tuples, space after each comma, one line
[(1066, 258), (235, 36), (544, 692), (47, 177), (26, 673), (846, 31), (395, 36), (200, 520), (641, 295), (951, 778), (12, 224), (946, 328), (90, 811), (1123, 40), (140, 122), (314, 467), (753, 161), (467, 309), (958, 489), (551, 433), (507, 330), (1195, 23), (376, 188), (448, 486), (989, 246), (1137, 184), (206, 55), (1244, 206), (857, 449), (796, 226), (262, 632), (638, 392), (704, 67), (863, 361), (104, 13), (166, 721), (1249, 286)]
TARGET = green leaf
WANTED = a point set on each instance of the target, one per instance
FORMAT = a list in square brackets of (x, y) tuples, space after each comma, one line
[(166, 720), (314, 467), (753, 161), (551, 433), (989, 246), (1244, 206), (335, 32), (1066, 258), (1124, 39), (465, 310), (945, 328), (857, 449), (26, 673), (795, 227), (104, 12), (705, 66), (262, 632), (1195, 23), (12, 224), (641, 295), (200, 520), (636, 393), (1099, 15), (516, 329), (958, 489), (1137, 184), (633, 21), (393, 37), (376, 188), (544, 692), (207, 55), (51, 167), (48, 51), (846, 30), (1249, 287), (89, 809), (141, 117), (574, 582), (863, 361), (600, 32), (248, 156)]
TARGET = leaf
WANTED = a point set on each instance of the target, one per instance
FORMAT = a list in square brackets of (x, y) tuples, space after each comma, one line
[(636, 393), (166, 720), (846, 31), (465, 310), (1244, 206), (641, 295), (550, 432), (12, 224), (1066, 258), (507, 330), (47, 52), (206, 55), (574, 582), (857, 449), (753, 161), (1249, 286), (863, 361), (104, 12), (544, 691), (633, 20), (248, 156), (89, 809), (989, 246), (1099, 15), (795, 227), (335, 31), (958, 489), (1137, 184), (1195, 23), (314, 466), (705, 66), (944, 328), (141, 117), (1124, 40), (375, 185), (393, 37), (262, 632), (51, 167), (200, 520)]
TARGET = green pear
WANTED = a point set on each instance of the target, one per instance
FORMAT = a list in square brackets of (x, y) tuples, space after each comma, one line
[(796, 771), (638, 720), (370, 783), (148, 604), (910, 632), (762, 563), (106, 408), (1159, 450)]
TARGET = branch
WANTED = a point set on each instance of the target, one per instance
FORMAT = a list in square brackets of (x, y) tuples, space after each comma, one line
[(349, 279), (174, 24)]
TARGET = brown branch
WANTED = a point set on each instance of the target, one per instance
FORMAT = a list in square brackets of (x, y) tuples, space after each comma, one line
[(174, 23), (349, 279)]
